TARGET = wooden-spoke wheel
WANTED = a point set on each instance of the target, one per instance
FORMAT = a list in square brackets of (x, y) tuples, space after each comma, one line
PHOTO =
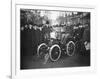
[(70, 48), (55, 52), (41, 49)]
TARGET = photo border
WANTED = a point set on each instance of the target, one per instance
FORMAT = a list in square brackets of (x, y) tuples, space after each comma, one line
[(17, 73)]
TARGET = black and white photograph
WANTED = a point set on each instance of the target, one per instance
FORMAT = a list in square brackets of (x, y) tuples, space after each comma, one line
[(54, 39)]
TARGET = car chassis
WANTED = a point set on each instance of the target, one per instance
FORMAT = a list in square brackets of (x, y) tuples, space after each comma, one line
[(57, 41)]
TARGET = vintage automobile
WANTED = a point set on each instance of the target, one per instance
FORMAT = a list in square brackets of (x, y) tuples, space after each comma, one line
[(58, 40)]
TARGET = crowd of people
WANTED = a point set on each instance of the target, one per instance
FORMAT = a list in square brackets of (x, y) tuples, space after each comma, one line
[(34, 31), (32, 36)]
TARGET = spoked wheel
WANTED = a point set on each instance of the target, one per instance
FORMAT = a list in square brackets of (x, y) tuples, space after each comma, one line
[(55, 52), (41, 49), (70, 48)]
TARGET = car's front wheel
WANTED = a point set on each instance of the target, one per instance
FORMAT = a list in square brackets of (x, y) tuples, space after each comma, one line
[(54, 52), (41, 49)]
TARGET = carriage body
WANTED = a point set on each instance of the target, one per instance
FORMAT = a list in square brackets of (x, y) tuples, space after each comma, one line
[(57, 40)]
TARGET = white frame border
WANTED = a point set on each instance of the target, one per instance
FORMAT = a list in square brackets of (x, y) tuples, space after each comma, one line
[(51, 72)]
